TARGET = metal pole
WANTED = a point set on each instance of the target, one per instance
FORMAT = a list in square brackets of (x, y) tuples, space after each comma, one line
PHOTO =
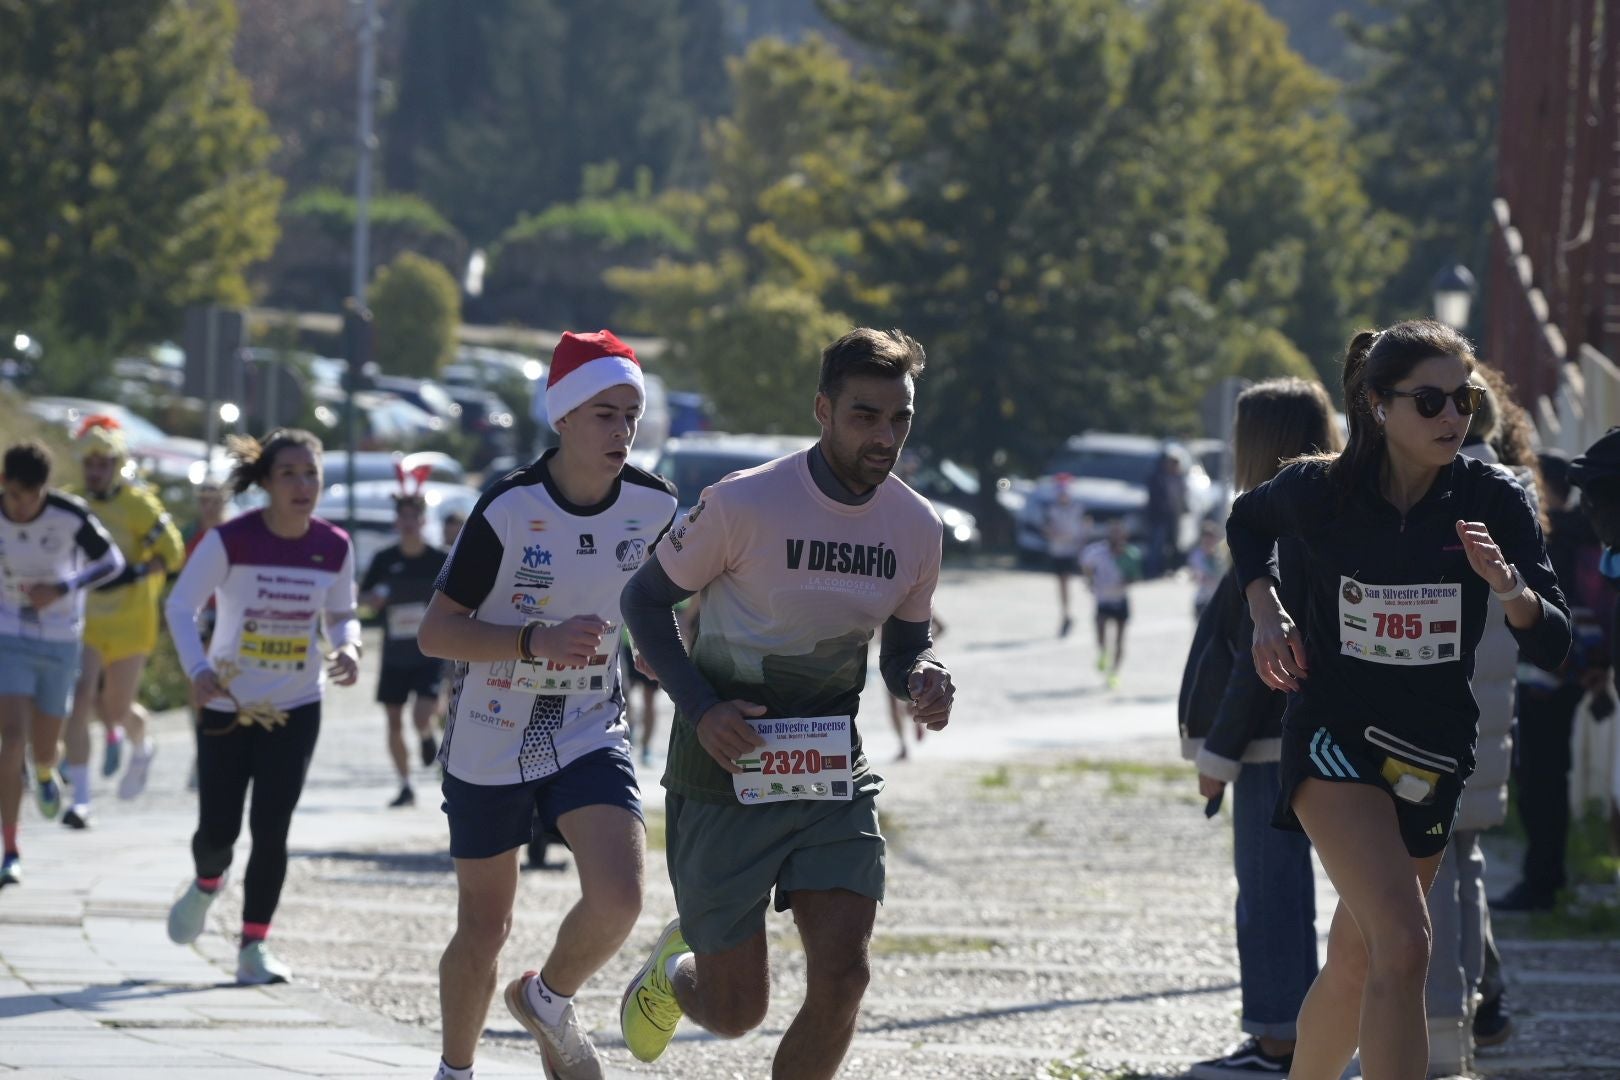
[(210, 387), (362, 216)]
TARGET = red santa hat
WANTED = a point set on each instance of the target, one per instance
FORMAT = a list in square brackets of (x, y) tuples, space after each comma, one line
[(584, 365)]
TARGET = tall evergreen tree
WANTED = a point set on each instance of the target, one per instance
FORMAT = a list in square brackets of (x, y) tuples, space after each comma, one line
[(1426, 123), (133, 165)]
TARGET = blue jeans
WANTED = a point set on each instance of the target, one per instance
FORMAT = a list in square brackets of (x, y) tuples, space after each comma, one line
[(1276, 906)]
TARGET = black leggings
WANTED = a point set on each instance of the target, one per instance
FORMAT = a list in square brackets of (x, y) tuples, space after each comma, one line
[(229, 756)]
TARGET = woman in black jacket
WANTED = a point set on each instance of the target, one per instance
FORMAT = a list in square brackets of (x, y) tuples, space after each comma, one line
[(1231, 725), (1404, 540)]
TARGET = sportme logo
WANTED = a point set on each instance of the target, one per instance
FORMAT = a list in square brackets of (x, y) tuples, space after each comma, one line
[(1329, 759)]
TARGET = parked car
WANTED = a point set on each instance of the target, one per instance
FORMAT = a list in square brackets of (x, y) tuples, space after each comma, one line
[(694, 462), (373, 465), (485, 416), (431, 397), (373, 525), (1108, 475), (482, 366), (167, 458)]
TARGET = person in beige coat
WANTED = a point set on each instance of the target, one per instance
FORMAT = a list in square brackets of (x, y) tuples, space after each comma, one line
[(1465, 969)]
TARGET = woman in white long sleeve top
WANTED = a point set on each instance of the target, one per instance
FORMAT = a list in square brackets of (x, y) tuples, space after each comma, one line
[(276, 575)]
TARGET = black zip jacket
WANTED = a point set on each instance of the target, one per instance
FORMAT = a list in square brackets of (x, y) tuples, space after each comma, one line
[(1226, 714), (1362, 536)]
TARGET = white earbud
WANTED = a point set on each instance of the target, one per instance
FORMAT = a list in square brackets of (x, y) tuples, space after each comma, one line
[(1379, 412)]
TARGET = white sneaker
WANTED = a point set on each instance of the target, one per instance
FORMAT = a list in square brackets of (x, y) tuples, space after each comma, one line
[(140, 765), (257, 966), (565, 1049), (189, 915)]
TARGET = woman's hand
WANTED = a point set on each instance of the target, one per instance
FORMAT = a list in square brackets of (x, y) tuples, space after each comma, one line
[(206, 687), (1485, 557), (344, 666), (1209, 787), (1279, 647)]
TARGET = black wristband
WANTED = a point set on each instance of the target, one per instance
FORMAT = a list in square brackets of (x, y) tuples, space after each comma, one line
[(524, 640)]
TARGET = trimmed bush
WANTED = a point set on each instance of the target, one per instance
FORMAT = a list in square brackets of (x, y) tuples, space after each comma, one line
[(416, 308)]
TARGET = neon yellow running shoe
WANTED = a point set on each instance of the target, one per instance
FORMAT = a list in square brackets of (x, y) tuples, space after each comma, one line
[(649, 1013)]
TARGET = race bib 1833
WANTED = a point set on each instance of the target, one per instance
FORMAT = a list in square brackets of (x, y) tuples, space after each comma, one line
[(803, 758), (1408, 625)]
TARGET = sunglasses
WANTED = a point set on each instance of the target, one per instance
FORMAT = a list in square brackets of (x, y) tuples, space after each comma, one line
[(1430, 400)]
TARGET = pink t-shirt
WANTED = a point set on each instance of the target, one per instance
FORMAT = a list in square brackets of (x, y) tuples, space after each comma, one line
[(794, 585)]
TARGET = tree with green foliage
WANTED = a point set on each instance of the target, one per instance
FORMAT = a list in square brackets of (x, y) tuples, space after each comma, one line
[(312, 268), (1426, 115), (133, 165), (503, 104), (1098, 201), (416, 310), (777, 235)]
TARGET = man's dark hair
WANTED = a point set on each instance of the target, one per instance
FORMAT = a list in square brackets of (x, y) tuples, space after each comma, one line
[(882, 354), (29, 464)]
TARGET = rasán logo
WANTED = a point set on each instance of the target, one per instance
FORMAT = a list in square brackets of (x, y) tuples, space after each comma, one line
[(587, 544)]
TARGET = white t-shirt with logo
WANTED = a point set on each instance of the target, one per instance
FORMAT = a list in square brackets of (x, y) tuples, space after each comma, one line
[(527, 553)]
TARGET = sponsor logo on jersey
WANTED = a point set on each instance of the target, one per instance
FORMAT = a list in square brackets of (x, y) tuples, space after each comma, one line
[(1426, 652), (527, 683), (1352, 593), (834, 557), (535, 556), (500, 676), (1447, 651), (587, 544), (533, 579), (537, 525), (631, 553), (1355, 622), (1445, 626), (494, 706), (478, 716), (528, 603), (692, 515)]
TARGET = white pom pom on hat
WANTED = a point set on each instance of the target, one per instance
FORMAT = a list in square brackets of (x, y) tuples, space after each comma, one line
[(584, 365)]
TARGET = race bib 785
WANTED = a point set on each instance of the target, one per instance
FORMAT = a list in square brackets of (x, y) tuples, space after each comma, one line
[(1405, 625)]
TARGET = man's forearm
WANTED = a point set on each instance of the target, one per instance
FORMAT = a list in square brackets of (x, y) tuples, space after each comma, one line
[(648, 604)]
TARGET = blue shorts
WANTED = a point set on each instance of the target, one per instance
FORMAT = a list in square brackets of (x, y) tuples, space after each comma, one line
[(42, 670), (489, 819)]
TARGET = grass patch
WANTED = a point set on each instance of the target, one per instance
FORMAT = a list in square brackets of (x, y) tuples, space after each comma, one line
[(1129, 770), (927, 944), (1121, 785), (655, 831), (1000, 777), (1577, 919), (894, 829), (1081, 1069)]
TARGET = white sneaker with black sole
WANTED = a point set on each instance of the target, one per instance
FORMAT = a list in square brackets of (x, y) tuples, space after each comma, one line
[(1246, 1060)]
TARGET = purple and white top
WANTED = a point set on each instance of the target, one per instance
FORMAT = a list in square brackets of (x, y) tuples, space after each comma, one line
[(272, 595)]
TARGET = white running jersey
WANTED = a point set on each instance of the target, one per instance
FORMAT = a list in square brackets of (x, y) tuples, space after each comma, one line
[(65, 545), (271, 595), (527, 553)]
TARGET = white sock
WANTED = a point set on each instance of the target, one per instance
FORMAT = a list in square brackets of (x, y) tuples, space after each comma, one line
[(79, 777), (673, 964), (143, 748), (447, 1073), (547, 1004)]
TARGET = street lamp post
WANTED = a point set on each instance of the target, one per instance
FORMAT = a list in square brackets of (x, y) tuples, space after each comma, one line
[(365, 143), (1454, 290)]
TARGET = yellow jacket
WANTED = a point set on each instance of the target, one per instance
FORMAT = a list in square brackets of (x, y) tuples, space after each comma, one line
[(143, 530)]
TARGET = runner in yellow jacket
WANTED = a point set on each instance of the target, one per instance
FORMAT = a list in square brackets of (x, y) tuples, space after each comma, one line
[(121, 617)]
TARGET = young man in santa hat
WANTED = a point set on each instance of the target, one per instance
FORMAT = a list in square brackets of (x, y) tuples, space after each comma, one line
[(526, 607)]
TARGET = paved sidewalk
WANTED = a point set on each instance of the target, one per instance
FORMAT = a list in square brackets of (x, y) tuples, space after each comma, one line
[(1046, 905), (91, 988)]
